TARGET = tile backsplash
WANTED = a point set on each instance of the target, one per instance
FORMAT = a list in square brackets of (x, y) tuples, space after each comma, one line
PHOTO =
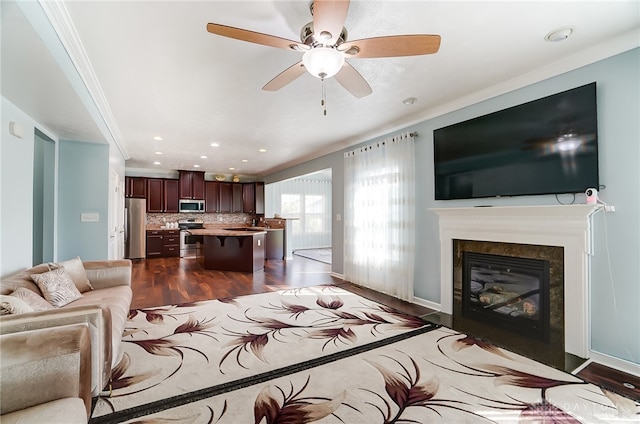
[(207, 218)]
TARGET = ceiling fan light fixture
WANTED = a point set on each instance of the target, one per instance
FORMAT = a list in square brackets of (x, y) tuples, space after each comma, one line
[(323, 62)]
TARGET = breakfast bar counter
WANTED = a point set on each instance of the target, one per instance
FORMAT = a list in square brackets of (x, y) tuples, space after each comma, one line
[(231, 249)]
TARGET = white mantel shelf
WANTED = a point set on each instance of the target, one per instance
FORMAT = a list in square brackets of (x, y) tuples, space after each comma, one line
[(567, 226)]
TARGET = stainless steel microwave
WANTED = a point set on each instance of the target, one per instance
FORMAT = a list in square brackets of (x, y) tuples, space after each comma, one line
[(190, 205)]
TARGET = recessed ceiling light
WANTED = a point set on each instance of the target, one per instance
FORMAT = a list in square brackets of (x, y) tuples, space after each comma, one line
[(156, 138), (156, 163), (262, 150), (158, 153), (245, 160), (196, 166), (232, 169), (203, 157), (559, 34), (409, 100), (215, 145)]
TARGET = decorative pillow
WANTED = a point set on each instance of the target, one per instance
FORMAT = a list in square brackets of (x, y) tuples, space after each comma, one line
[(57, 287), (76, 271), (36, 302), (13, 305)]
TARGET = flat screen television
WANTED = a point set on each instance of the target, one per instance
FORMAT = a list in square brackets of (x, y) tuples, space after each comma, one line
[(546, 146)]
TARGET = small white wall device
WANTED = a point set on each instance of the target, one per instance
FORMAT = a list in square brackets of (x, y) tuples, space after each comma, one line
[(592, 196)]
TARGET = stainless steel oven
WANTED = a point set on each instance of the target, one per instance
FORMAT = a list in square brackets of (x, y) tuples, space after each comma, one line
[(189, 242)]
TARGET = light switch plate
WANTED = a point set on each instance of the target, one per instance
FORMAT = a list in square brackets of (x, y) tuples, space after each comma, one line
[(89, 217)]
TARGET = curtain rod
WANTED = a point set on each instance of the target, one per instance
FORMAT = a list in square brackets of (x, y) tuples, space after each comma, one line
[(413, 134)]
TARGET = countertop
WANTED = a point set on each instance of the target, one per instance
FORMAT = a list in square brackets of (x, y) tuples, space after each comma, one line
[(232, 231)]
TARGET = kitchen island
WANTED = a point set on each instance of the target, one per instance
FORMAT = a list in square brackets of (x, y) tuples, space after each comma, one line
[(231, 249)]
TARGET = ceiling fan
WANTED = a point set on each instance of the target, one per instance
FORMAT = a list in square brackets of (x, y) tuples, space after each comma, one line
[(325, 46)]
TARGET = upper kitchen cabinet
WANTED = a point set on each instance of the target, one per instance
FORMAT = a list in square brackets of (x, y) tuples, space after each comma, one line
[(253, 198), (192, 185), (155, 195), (162, 195), (212, 196), (236, 198), (171, 189), (135, 187)]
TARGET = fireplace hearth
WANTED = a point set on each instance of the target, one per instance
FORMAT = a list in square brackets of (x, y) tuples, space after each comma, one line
[(510, 292)]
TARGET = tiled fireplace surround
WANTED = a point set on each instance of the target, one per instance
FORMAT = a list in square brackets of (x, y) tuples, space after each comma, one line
[(563, 226)]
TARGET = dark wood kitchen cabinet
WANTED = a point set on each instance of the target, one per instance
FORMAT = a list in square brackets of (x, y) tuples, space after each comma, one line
[(163, 243), (135, 187), (253, 198), (162, 195), (155, 245), (155, 195), (171, 196), (192, 185), (226, 195), (211, 196), (236, 198)]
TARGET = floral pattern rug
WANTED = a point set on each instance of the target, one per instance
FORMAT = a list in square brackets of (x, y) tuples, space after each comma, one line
[(326, 355), (181, 351)]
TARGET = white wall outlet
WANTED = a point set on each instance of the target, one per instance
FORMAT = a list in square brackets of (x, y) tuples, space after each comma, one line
[(89, 217), (338, 217), (609, 208)]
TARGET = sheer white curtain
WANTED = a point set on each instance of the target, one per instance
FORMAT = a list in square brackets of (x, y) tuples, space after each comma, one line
[(307, 200), (379, 233)]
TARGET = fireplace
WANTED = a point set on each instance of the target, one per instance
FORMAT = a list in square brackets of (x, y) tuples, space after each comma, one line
[(507, 291), (565, 226)]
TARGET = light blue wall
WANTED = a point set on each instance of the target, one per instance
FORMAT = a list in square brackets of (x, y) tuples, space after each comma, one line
[(83, 188), (615, 315), (16, 183)]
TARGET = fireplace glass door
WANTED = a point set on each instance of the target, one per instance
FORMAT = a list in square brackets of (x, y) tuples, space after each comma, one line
[(507, 291)]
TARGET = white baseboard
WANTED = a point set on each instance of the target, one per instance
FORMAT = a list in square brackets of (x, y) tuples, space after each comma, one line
[(616, 363), (427, 303), (335, 274)]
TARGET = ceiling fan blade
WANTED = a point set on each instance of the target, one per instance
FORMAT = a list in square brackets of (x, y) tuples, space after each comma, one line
[(255, 37), (285, 77), (391, 46), (329, 16), (352, 81)]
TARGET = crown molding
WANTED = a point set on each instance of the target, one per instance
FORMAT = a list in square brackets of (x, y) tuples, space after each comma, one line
[(60, 20)]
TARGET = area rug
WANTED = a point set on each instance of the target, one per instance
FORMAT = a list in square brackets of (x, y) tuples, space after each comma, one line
[(180, 349), (320, 255), (439, 376)]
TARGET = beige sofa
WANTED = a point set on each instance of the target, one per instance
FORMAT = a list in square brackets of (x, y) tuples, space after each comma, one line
[(46, 375), (103, 309)]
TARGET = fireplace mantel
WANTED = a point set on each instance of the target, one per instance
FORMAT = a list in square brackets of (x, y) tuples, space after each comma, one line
[(567, 226)]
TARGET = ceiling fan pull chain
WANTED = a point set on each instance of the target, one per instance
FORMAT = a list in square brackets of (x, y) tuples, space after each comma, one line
[(323, 101)]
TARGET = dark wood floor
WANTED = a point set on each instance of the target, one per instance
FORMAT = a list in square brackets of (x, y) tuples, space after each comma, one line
[(165, 281)]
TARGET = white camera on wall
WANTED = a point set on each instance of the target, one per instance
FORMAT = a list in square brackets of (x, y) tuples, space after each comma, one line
[(592, 196)]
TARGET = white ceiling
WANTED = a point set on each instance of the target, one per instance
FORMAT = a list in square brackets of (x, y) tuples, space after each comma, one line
[(151, 69)]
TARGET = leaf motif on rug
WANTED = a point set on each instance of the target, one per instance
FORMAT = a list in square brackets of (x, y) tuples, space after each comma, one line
[(292, 407)]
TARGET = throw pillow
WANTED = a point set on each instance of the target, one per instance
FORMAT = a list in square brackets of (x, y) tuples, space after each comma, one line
[(57, 287), (13, 305), (32, 299), (75, 270)]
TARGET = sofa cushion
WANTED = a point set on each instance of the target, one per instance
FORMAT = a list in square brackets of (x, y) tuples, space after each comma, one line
[(13, 305), (36, 302), (118, 300), (67, 410), (57, 287), (75, 270)]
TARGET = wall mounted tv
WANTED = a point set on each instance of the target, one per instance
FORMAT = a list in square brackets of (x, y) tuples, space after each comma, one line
[(546, 146)]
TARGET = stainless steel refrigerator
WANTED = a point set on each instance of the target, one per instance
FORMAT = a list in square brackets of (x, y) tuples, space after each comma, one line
[(135, 234)]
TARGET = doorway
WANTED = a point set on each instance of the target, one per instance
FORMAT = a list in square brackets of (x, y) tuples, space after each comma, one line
[(43, 198), (306, 200)]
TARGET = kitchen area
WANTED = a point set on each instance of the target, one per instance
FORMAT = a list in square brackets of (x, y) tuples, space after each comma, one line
[(215, 222)]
